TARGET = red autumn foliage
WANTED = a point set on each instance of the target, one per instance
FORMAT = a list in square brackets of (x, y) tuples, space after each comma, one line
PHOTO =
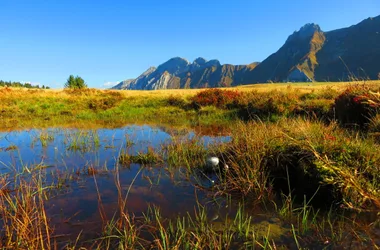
[(217, 97), (330, 137)]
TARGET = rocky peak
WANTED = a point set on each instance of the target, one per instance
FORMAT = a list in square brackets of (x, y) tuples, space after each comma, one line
[(149, 71), (305, 32), (200, 61), (123, 85), (174, 66), (212, 63)]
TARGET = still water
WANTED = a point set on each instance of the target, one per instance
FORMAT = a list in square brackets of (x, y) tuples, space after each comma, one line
[(75, 207), (84, 199)]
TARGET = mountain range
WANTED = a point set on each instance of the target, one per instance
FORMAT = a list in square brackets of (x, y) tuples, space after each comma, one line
[(309, 54)]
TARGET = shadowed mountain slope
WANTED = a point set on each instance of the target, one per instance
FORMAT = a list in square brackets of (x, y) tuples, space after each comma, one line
[(309, 54)]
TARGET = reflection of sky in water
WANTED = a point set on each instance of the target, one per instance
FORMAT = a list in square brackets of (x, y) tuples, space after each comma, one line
[(77, 208), (57, 153)]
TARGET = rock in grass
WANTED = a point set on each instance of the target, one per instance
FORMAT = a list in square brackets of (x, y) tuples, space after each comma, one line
[(214, 164)]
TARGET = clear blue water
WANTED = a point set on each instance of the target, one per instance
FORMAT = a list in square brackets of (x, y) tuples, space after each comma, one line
[(102, 146), (75, 207)]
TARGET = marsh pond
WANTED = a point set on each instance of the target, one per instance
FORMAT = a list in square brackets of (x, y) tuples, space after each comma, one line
[(150, 187)]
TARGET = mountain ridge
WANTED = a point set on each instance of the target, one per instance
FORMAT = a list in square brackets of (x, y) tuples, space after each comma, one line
[(308, 54)]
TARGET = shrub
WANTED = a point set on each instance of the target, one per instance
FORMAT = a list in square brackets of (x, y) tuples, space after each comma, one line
[(103, 100), (217, 97), (106, 101), (317, 108), (175, 101), (356, 106), (102, 103), (275, 103)]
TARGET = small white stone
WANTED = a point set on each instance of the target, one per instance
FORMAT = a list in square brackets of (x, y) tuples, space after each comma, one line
[(212, 161)]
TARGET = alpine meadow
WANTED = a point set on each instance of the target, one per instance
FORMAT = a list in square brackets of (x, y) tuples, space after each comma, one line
[(279, 152)]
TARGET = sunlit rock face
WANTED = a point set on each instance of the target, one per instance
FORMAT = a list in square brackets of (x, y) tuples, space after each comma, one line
[(180, 73), (309, 54)]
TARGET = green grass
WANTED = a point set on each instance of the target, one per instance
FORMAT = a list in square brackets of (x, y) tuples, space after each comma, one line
[(151, 157), (287, 154), (260, 156), (47, 108), (83, 141)]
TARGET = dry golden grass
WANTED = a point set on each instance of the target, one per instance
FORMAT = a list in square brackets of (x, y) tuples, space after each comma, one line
[(23, 217), (261, 88), (26, 108), (304, 87)]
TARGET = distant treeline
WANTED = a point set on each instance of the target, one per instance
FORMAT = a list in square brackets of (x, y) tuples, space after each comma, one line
[(22, 85)]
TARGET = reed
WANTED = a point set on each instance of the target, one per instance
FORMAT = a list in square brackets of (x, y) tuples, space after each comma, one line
[(23, 216)]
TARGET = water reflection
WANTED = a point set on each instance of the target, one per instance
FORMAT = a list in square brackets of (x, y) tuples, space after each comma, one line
[(76, 207), (73, 148), (85, 200)]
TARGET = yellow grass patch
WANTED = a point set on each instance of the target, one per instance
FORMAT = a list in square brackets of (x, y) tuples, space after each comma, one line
[(261, 88)]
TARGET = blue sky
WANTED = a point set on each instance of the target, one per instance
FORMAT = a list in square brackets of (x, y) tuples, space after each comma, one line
[(108, 41)]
